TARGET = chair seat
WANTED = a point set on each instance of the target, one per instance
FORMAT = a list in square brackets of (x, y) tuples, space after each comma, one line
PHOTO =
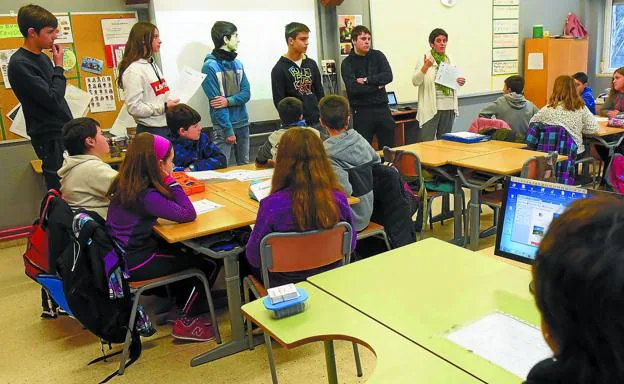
[(372, 230), (141, 283), (493, 198)]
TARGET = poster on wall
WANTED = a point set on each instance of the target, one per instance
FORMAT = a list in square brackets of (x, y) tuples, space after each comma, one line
[(115, 32), (101, 90), (346, 23), (64, 30), (5, 55)]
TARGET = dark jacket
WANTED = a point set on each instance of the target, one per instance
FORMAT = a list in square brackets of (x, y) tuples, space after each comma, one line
[(375, 67), (40, 88), (304, 83), (588, 98), (202, 155)]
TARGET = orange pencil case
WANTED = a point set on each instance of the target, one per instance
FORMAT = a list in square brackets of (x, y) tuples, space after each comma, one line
[(189, 184)]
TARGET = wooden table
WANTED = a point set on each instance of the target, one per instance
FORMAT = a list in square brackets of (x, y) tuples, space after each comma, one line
[(604, 130), (432, 156), (37, 164), (399, 360), (483, 147), (426, 289)]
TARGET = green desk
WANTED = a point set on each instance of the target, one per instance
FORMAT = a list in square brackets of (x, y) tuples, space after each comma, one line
[(326, 318), (423, 290)]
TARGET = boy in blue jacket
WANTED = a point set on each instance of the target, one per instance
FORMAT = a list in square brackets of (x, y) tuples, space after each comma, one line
[(227, 88), (580, 78), (193, 150)]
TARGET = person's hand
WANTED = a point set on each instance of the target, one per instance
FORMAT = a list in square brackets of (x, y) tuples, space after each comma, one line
[(461, 81), (613, 113), (230, 139), (361, 80), (428, 61), (172, 103), (219, 102), (57, 55)]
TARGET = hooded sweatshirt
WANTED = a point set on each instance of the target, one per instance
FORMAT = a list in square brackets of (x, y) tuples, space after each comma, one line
[(85, 180), (588, 98), (146, 92), (512, 108), (353, 158)]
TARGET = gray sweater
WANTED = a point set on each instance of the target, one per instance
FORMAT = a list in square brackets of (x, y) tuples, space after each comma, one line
[(512, 108), (346, 152)]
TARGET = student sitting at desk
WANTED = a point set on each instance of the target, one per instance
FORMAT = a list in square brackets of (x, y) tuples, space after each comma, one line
[(290, 111), (512, 107), (578, 283), (85, 178), (305, 195), (193, 149), (565, 108), (614, 104), (580, 79), (143, 192)]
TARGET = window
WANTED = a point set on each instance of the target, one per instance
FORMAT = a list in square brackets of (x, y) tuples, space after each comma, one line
[(613, 50)]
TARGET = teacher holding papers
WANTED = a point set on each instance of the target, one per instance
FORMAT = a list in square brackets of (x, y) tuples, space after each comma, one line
[(437, 103)]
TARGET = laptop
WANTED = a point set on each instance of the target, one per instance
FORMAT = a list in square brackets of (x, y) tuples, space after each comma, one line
[(529, 206), (392, 101)]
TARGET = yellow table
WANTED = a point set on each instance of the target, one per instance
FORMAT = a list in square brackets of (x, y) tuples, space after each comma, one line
[(326, 318), (426, 289), (483, 147), (431, 156)]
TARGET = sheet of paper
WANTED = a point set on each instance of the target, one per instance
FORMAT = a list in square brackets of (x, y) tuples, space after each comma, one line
[(535, 60), (506, 26), (64, 34), (209, 175), (505, 12), (261, 190), (509, 40), (447, 75), (123, 121), (247, 175), (77, 100), (116, 31), (5, 55), (204, 206), (601, 119), (188, 82), (505, 341), (18, 126), (501, 54), (504, 67)]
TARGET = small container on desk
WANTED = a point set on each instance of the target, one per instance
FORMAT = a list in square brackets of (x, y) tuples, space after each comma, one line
[(190, 185), (288, 307)]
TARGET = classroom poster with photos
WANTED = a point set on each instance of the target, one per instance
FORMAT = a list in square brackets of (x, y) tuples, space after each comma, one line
[(102, 92), (346, 23)]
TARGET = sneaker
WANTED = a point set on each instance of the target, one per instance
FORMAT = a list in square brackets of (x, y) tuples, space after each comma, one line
[(192, 328), (175, 313), (48, 314)]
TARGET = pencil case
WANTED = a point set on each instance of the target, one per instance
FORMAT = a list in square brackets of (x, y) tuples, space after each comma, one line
[(190, 185)]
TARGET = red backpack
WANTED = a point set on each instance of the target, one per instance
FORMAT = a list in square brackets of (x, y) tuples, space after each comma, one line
[(36, 259)]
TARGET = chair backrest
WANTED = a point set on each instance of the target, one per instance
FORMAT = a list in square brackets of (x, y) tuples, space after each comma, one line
[(301, 251), (540, 168), (550, 138), (407, 162), (481, 123)]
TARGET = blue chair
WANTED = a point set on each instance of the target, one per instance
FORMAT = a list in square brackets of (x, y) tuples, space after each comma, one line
[(54, 285)]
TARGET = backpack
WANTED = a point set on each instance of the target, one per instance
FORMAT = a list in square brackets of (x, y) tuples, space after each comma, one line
[(573, 27), (615, 173), (36, 257)]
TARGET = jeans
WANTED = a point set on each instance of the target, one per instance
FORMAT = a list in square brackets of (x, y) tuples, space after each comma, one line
[(50, 151), (160, 131), (240, 150)]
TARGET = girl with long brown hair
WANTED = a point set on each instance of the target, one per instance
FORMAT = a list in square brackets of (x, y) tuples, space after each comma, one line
[(567, 109), (305, 195), (142, 192), (614, 104), (145, 87)]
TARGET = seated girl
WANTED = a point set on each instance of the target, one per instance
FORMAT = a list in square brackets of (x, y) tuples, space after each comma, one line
[(142, 192), (305, 195)]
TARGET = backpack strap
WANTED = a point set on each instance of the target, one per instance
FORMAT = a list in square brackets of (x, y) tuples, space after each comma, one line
[(45, 205), (135, 352)]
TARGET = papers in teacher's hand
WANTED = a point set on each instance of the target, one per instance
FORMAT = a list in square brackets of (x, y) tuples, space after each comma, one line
[(204, 206), (447, 75), (260, 190), (505, 341), (239, 174)]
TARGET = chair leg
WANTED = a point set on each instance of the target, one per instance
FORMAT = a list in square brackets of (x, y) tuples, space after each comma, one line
[(269, 347), (466, 224), (126, 346), (246, 290), (358, 363), (213, 318), (385, 239)]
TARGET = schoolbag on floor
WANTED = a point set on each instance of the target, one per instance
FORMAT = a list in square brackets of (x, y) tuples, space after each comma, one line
[(36, 257)]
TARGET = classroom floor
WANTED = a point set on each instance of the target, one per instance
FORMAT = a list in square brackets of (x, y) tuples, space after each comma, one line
[(48, 351)]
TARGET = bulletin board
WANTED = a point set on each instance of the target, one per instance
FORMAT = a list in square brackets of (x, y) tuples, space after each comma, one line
[(88, 42)]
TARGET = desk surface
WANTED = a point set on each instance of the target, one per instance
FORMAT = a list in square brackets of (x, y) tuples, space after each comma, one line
[(399, 360), (603, 130), (432, 156), (484, 147), (503, 162), (36, 164), (426, 289)]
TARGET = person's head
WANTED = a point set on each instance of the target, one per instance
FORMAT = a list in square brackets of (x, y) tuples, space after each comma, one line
[(578, 283), (514, 84), (302, 165), (297, 37), (617, 83), (348, 22), (361, 39), (224, 35), (334, 113), (438, 38), (148, 160), (580, 79), (290, 110), (564, 93), (37, 25), (83, 136), (183, 121), (143, 42)]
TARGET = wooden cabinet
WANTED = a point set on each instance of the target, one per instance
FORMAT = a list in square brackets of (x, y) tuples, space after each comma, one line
[(560, 57)]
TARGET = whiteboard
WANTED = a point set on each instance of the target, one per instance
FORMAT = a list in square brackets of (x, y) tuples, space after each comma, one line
[(401, 30), (184, 27)]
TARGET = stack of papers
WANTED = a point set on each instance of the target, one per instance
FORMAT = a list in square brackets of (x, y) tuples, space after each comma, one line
[(240, 174), (260, 190), (601, 118), (204, 206)]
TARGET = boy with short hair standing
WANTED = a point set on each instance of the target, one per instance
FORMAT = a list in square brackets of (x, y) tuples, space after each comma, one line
[(227, 88), (40, 87), (297, 75)]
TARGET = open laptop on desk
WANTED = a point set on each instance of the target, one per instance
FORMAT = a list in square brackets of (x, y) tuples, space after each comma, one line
[(392, 101)]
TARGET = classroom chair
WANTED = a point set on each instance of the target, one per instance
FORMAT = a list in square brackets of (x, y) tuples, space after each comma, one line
[(294, 252), (138, 287), (374, 230)]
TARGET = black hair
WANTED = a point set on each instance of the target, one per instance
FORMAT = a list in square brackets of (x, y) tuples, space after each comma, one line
[(293, 29), (334, 111), (359, 30), (76, 131), (578, 280), (437, 32), (581, 76), (181, 116), (36, 17), (220, 30), (515, 83), (290, 110)]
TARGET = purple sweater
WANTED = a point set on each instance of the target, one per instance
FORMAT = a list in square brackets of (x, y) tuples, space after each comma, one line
[(276, 215), (132, 229)]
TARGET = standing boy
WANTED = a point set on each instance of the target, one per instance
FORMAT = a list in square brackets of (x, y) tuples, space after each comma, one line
[(296, 75), (40, 87), (580, 78), (365, 73), (227, 89)]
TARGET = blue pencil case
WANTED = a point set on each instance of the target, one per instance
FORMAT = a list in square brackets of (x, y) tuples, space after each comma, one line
[(288, 307), (465, 137)]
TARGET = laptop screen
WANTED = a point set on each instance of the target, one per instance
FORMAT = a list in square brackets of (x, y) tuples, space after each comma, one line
[(528, 208), (391, 98)]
